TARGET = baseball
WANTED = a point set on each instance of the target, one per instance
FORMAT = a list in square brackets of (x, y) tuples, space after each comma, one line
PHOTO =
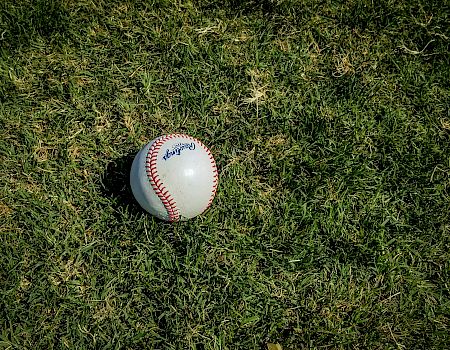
[(174, 177)]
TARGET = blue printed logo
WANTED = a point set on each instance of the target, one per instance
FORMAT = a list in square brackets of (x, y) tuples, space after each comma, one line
[(176, 149)]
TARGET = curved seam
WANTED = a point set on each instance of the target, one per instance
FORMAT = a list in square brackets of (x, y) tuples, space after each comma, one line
[(155, 181)]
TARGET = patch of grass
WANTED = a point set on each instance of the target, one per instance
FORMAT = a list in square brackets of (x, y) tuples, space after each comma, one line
[(330, 124)]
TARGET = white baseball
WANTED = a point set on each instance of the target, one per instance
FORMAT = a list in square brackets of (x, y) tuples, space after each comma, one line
[(174, 177)]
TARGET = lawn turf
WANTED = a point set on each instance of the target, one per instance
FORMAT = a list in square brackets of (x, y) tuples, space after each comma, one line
[(330, 125)]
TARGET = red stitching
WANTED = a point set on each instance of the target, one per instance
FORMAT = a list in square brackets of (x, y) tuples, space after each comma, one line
[(152, 173)]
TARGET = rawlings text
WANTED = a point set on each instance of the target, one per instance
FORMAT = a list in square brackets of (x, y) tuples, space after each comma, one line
[(176, 150)]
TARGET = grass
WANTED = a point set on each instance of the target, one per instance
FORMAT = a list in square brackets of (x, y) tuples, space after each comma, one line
[(330, 124)]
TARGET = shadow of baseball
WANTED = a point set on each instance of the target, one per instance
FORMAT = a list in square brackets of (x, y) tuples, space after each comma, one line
[(115, 182)]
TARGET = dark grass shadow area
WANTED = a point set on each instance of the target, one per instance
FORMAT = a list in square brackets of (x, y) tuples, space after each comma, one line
[(115, 183), (22, 21)]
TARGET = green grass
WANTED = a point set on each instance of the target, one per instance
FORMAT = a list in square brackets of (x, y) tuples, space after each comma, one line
[(330, 124)]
